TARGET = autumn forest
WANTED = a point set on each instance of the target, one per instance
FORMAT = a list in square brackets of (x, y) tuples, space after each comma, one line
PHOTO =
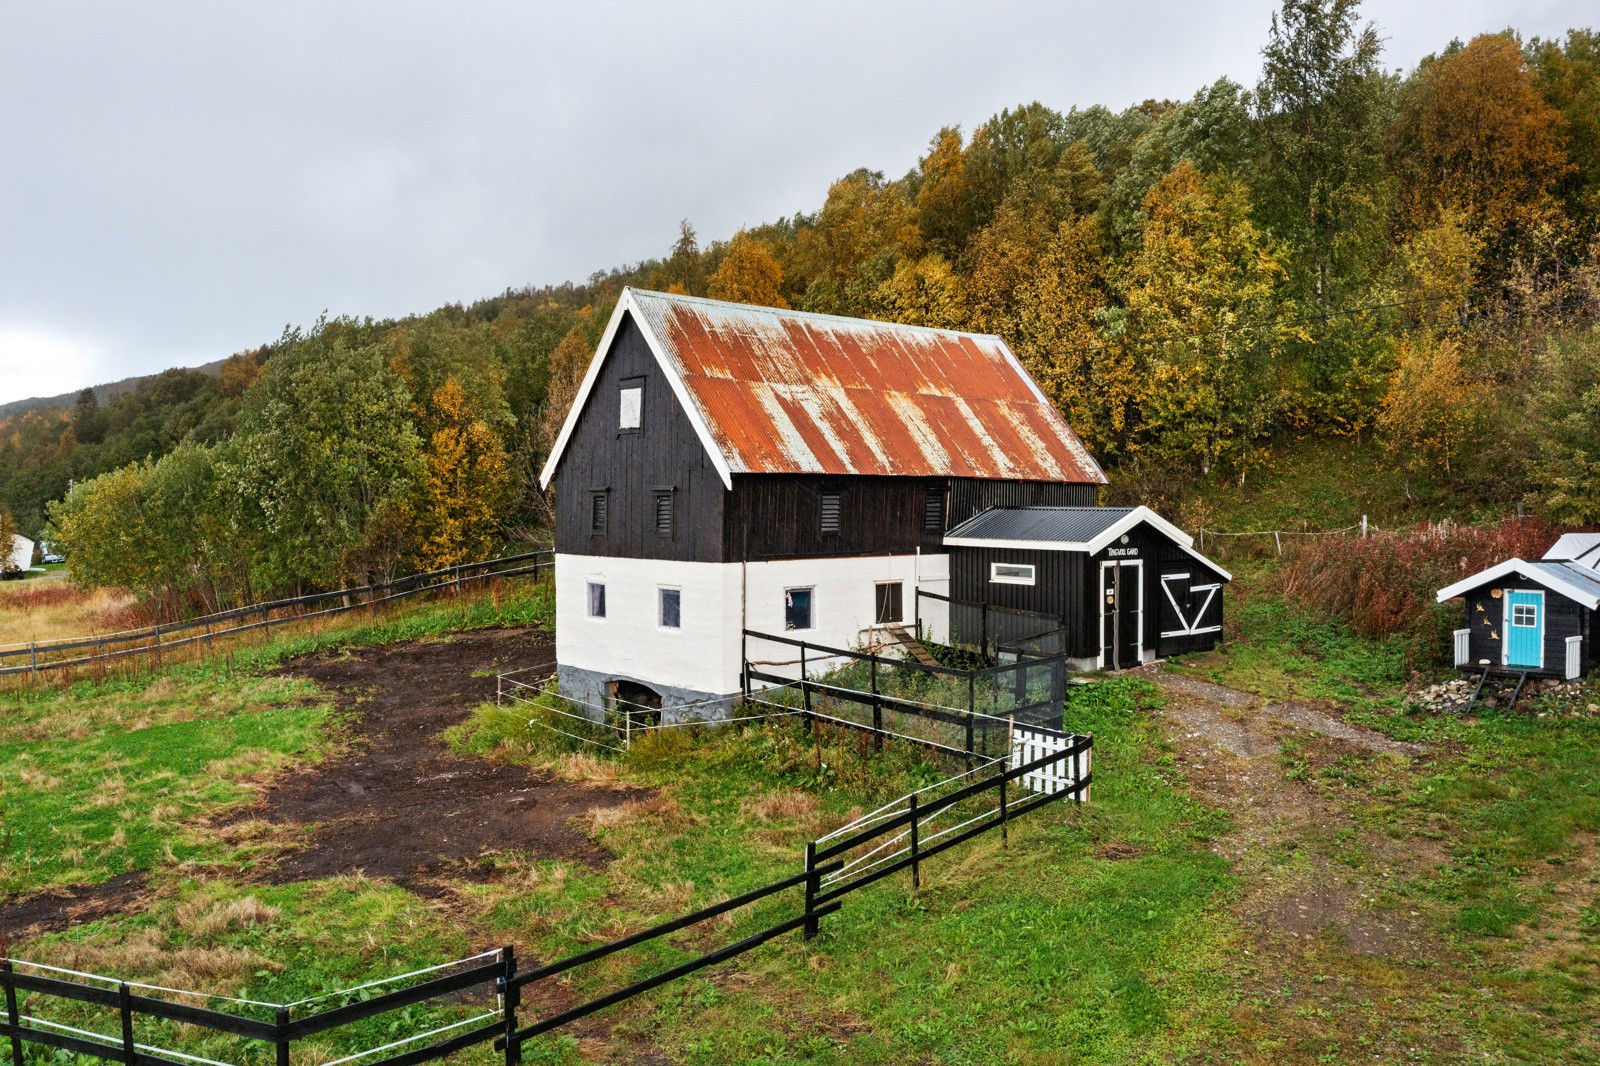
[(1409, 259)]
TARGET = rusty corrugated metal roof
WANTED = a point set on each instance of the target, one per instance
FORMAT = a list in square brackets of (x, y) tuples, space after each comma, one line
[(787, 392)]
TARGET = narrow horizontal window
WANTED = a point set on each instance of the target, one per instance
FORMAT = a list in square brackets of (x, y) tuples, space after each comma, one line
[(832, 520), (797, 608), (670, 615), (598, 513), (1011, 573), (933, 512), (891, 604), (664, 514), (597, 600)]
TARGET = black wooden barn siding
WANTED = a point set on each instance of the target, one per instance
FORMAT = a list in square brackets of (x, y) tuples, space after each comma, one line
[(1059, 589), (1067, 585), (970, 496), (664, 455), (779, 516), (1562, 619)]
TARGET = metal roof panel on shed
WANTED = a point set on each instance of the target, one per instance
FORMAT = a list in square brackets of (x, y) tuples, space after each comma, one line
[(1578, 583), (1074, 525), (1581, 548), (789, 392)]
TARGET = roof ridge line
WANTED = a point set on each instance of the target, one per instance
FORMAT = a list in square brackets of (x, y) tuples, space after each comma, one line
[(855, 321)]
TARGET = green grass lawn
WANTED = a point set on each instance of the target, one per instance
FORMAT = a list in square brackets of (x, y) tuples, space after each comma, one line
[(1108, 933)]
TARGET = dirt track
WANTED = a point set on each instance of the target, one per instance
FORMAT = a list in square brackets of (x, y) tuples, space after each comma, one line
[(398, 804)]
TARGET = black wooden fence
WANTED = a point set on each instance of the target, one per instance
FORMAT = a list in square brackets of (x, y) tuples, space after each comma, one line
[(165, 638), (975, 704), (499, 970)]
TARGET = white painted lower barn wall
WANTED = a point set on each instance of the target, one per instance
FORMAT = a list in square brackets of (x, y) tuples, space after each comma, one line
[(703, 658)]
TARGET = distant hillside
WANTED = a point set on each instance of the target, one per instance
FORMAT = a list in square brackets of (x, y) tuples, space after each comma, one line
[(103, 393)]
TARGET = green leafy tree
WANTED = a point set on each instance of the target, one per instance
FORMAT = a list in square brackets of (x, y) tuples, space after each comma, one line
[(326, 455)]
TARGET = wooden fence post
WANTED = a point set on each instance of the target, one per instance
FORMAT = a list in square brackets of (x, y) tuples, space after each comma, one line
[(813, 885), (12, 1018), (1003, 836), (130, 1054), (281, 1037), (916, 868), (510, 998), (877, 707), (33, 669), (805, 687)]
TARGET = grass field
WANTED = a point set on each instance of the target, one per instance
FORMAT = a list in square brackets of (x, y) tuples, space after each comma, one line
[(1165, 921), (45, 606)]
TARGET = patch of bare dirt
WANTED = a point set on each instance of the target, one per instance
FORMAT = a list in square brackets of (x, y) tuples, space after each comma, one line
[(53, 911), (401, 805)]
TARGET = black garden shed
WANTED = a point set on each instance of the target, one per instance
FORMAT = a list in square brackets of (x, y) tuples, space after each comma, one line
[(1127, 584)]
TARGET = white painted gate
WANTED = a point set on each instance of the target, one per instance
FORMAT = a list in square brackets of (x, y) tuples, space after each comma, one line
[(1030, 743)]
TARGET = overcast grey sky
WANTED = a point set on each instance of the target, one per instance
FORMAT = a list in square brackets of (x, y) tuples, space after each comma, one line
[(180, 180)]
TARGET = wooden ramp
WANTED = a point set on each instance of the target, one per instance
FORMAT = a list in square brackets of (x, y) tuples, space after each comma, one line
[(899, 635)]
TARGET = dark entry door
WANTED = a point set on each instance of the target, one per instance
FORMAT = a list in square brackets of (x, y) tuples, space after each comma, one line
[(1121, 614)]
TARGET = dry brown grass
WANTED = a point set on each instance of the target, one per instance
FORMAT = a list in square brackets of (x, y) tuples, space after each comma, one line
[(658, 812), (50, 609), (149, 956), (206, 919)]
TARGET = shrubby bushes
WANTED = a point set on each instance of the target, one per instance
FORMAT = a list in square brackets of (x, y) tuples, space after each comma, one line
[(1383, 585)]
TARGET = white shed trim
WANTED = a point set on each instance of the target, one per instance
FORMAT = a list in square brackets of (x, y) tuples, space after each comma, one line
[(1538, 575)]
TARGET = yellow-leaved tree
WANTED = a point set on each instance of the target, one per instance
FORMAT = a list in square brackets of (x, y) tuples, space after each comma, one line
[(748, 274), (467, 484), (1432, 404), (1204, 295)]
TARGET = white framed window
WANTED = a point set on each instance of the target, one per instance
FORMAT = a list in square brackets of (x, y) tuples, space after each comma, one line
[(669, 608), (1011, 573), (1525, 615), (890, 605), (597, 599), (631, 405), (798, 608)]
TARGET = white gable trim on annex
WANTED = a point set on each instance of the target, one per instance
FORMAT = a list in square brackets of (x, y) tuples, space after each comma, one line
[(625, 305), (1537, 575), (1100, 541)]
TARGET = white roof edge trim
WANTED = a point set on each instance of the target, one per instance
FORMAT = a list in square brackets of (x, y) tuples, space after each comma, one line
[(1532, 573), (625, 304), (1133, 518)]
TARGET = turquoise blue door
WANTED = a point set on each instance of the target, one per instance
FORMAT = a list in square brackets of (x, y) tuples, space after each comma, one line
[(1524, 629)]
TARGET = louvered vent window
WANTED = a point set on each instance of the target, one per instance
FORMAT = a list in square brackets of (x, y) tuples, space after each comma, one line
[(598, 513), (831, 520), (663, 514), (933, 511)]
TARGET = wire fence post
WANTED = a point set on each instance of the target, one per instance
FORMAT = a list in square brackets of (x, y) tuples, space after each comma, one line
[(510, 999), (281, 1037), (13, 1021), (130, 1054), (813, 885), (916, 868)]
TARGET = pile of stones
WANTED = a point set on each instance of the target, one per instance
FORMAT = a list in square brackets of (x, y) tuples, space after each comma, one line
[(1452, 696)]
